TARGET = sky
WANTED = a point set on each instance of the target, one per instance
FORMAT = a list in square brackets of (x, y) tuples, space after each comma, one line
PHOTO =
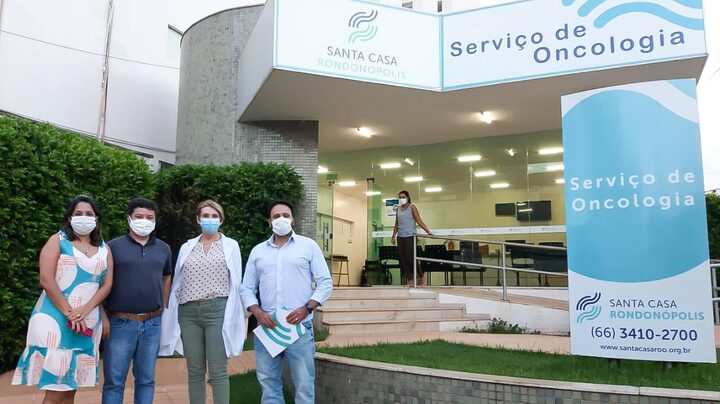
[(709, 97)]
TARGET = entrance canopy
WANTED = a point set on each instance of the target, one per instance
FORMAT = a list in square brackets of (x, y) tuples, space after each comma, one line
[(414, 78)]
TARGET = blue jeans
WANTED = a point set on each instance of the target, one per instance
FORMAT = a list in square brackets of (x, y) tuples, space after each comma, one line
[(136, 341), (301, 359)]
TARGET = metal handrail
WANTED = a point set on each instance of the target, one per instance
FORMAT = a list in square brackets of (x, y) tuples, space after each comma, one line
[(503, 267), (715, 289), (540, 247)]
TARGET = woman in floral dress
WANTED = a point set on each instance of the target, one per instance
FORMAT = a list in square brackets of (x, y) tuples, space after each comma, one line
[(65, 326)]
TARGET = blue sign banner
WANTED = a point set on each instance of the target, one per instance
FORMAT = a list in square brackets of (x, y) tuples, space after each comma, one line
[(636, 224)]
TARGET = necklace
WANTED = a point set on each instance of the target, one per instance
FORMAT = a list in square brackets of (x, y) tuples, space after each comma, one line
[(83, 248)]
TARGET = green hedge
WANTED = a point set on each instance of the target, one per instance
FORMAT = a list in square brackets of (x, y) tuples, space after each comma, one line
[(243, 190), (43, 168), (712, 202)]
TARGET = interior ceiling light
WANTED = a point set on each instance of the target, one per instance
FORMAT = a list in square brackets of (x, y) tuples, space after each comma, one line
[(433, 189), (413, 179), (560, 181), (347, 183), (388, 166), (486, 173), (542, 168), (467, 159), (362, 131), (322, 170), (486, 117), (373, 193), (550, 150), (525, 210), (410, 162), (499, 185), (511, 152)]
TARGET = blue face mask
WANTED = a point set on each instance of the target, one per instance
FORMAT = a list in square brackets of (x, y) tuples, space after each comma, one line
[(209, 225)]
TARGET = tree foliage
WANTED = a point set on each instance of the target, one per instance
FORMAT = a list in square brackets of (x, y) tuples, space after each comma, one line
[(243, 190)]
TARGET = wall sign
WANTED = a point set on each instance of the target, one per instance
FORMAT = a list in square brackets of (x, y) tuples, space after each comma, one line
[(359, 41), (516, 41)]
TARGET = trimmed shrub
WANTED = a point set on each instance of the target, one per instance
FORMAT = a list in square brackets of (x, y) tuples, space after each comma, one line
[(43, 168), (712, 202), (243, 190)]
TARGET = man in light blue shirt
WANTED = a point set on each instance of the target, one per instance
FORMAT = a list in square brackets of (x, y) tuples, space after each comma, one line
[(283, 269)]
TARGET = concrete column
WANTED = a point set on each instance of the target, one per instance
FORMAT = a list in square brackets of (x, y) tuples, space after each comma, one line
[(208, 132)]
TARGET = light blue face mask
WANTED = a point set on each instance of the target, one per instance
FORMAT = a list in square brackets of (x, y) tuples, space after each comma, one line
[(209, 225)]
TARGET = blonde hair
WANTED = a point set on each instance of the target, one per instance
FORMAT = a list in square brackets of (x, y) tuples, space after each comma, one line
[(211, 204)]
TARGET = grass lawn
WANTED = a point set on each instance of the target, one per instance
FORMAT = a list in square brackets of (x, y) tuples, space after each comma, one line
[(450, 356), (246, 389)]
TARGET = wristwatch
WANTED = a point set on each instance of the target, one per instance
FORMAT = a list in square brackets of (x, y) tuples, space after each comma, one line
[(308, 308)]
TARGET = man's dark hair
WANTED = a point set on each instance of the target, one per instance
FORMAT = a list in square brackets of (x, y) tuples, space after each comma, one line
[(141, 203), (276, 202)]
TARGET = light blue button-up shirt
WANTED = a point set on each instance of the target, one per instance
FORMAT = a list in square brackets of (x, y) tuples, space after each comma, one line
[(284, 275)]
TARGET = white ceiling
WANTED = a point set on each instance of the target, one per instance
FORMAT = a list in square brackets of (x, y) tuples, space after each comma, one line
[(404, 117)]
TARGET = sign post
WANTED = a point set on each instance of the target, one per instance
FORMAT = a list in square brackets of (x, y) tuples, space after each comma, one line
[(636, 224)]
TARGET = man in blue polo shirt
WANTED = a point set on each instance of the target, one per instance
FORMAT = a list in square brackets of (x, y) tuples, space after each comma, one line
[(141, 287), (283, 269)]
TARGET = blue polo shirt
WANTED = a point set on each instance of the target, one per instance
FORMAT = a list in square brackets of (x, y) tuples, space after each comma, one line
[(138, 274)]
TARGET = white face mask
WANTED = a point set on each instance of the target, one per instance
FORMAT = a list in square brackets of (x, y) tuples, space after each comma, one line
[(282, 226), (142, 227), (403, 201), (83, 225)]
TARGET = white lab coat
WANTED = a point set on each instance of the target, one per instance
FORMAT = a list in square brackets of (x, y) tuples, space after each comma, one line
[(234, 323)]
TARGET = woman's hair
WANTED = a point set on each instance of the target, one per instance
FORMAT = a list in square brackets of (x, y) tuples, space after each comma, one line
[(406, 194), (96, 234), (211, 204)]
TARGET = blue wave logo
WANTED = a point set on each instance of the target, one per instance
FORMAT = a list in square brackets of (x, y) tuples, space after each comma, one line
[(364, 30), (281, 335), (587, 306), (642, 7)]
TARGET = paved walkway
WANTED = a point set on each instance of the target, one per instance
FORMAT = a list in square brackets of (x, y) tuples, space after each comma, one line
[(172, 372), (171, 384)]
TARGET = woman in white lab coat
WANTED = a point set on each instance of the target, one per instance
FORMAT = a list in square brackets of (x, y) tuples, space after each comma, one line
[(205, 319)]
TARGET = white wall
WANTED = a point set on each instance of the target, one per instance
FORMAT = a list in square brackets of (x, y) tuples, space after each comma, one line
[(543, 319), (51, 59), (350, 210)]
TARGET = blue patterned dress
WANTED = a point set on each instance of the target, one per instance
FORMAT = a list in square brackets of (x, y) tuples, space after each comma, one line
[(57, 358)]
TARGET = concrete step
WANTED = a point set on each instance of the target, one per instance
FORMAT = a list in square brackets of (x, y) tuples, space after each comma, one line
[(449, 324), (407, 314), (377, 293), (412, 302)]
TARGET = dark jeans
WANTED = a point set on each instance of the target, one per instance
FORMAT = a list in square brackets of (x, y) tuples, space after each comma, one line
[(405, 254), (131, 341)]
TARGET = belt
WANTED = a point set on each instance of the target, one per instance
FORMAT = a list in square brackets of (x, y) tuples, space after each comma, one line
[(138, 316)]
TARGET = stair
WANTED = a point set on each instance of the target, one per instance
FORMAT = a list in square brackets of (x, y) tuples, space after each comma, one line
[(388, 310)]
